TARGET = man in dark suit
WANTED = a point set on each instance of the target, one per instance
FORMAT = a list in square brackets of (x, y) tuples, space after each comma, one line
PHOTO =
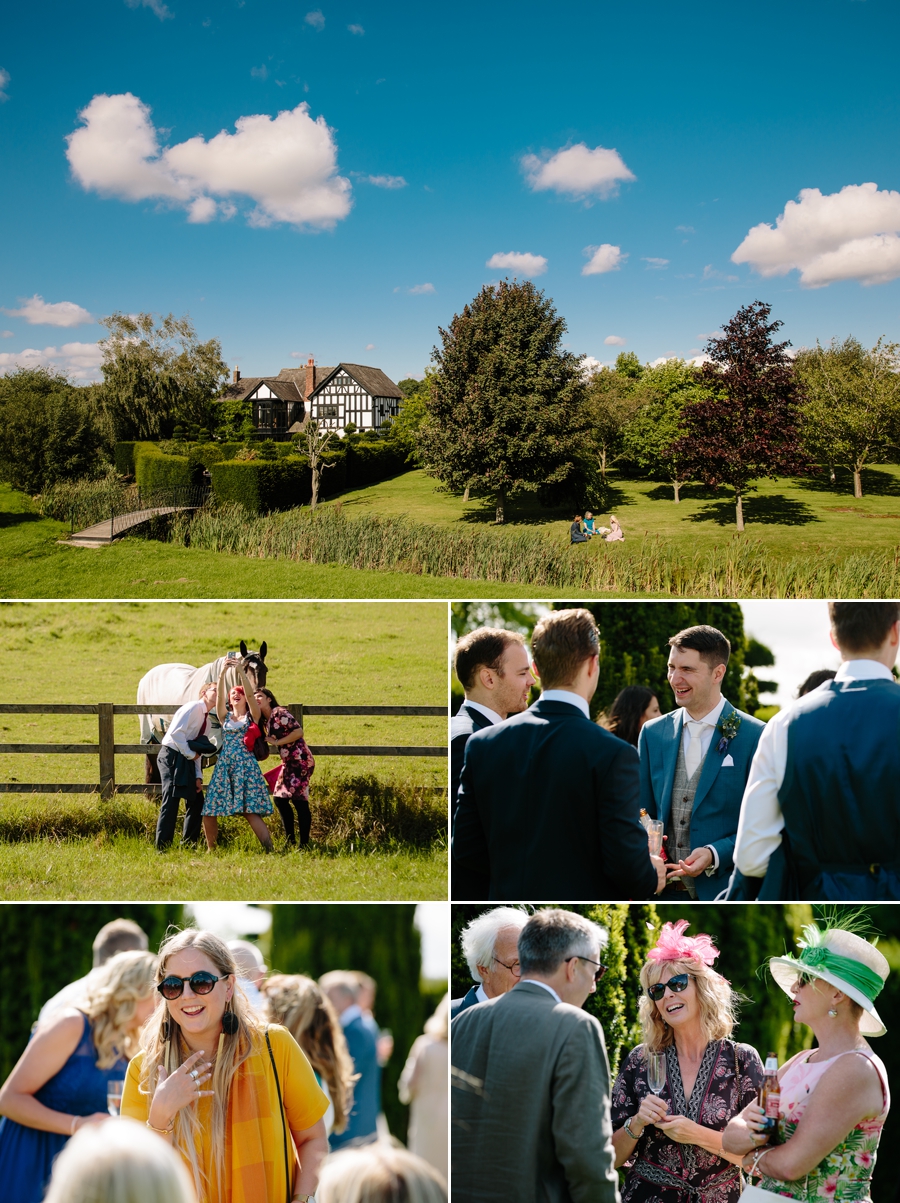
[(494, 669), (490, 945), (548, 801), (342, 989), (826, 774), (694, 766), (530, 1099)]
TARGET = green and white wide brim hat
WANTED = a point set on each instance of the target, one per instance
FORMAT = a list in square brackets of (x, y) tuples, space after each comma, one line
[(845, 961)]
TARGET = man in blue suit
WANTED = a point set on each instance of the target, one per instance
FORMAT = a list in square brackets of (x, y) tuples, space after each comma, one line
[(342, 989), (694, 765)]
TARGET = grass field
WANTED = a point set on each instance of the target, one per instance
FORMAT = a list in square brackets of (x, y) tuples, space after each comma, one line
[(379, 653)]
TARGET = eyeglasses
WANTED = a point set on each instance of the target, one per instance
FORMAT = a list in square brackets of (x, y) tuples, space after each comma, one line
[(201, 983), (803, 979), (515, 968), (598, 972), (676, 984)]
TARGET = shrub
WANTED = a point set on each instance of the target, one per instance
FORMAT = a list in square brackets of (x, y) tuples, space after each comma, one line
[(85, 502), (123, 458), (153, 469), (263, 485), (369, 462)]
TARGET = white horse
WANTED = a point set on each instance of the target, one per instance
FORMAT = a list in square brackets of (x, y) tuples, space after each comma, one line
[(175, 684)]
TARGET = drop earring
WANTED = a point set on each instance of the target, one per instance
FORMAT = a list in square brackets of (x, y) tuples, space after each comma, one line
[(833, 1013), (164, 1031), (230, 1022)]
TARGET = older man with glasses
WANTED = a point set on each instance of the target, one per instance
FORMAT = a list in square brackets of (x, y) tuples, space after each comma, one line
[(489, 944), (530, 1104)]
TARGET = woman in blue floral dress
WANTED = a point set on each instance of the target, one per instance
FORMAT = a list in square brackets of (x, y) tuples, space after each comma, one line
[(237, 786), (835, 1097)]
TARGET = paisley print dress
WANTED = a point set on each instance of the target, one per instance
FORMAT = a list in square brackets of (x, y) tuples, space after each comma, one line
[(660, 1170), (845, 1175)]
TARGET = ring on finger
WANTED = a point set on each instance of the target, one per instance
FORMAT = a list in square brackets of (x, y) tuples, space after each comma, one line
[(195, 1074)]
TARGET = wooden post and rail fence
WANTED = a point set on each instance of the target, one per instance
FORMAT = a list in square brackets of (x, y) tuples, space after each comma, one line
[(106, 748)]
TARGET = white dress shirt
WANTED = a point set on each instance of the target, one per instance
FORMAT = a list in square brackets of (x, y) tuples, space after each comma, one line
[(761, 821), (485, 710), (707, 730), (187, 723), (480, 994), (354, 1011), (574, 699), (534, 980)]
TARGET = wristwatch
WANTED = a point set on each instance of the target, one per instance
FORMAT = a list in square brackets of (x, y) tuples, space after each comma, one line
[(627, 1127)]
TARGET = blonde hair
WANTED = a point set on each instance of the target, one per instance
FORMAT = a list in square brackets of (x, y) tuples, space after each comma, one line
[(115, 990), (164, 1046), (438, 1025), (299, 1004), (118, 1161), (379, 1174), (717, 1001)]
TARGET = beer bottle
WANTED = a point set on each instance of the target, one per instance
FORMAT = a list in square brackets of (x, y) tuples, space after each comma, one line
[(770, 1097)]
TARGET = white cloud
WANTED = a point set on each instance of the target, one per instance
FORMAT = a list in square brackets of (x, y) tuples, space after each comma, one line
[(315, 19), (613, 340), (370, 347), (155, 6), (81, 360), (420, 289), (6, 334), (260, 72), (685, 229), (577, 171), (656, 264), (356, 29), (590, 366), (384, 181), (4, 82), (604, 258), (286, 164), (697, 361), (519, 261), (846, 235), (38, 312), (710, 273)]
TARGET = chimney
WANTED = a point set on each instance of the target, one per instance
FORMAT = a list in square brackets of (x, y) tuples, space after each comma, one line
[(310, 376), (236, 376)]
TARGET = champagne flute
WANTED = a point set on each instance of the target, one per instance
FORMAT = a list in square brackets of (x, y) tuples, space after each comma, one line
[(655, 836), (656, 1072), (114, 1096)]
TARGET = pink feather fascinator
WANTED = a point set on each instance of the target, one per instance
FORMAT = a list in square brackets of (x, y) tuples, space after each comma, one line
[(674, 945)]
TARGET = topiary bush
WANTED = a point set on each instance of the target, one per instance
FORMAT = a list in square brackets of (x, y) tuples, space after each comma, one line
[(123, 457), (263, 485), (369, 462), (153, 469)]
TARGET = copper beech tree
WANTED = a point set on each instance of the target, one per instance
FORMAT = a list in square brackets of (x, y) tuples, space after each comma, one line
[(751, 426)]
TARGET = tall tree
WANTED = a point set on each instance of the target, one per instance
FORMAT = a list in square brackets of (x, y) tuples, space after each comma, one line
[(51, 429), (851, 415), (612, 400), (157, 374), (506, 405), (751, 427), (403, 431), (665, 390)]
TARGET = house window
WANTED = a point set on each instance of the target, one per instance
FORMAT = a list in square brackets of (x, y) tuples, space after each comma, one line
[(328, 411)]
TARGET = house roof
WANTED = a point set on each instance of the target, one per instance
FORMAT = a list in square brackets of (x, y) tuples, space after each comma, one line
[(298, 375), (373, 380), (286, 389)]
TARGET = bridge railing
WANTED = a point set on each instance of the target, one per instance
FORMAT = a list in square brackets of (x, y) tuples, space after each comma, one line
[(106, 748), (160, 500)]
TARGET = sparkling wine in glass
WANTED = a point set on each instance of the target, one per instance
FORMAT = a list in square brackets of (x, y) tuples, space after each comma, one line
[(656, 1072), (655, 836), (114, 1096)]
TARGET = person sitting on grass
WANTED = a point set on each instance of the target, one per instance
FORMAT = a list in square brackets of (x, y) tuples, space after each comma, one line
[(576, 534), (616, 534), (588, 524)]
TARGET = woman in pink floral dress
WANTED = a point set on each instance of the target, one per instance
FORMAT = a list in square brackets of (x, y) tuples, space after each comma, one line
[(834, 1098), (671, 1145), (291, 784)]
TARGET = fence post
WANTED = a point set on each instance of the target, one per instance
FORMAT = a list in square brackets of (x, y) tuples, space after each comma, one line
[(107, 749)]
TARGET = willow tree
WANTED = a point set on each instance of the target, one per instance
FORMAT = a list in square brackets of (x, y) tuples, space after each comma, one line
[(506, 410)]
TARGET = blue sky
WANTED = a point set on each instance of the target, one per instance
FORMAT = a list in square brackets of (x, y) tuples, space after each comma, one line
[(353, 229)]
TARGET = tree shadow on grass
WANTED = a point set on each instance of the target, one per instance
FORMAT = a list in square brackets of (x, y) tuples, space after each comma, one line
[(687, 492), (527, 511), (12, 519), (773, 510), (876, 482)]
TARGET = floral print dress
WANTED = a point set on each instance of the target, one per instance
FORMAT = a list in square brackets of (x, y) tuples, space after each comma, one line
[(297, 762), (844, 1176), (660, 1170), (237, 785)]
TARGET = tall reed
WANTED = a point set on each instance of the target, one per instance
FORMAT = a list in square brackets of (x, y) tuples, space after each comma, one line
[(742, 568), (87, 501)]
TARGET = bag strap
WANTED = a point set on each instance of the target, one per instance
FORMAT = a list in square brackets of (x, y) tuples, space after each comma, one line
[(737, 1102), (287, 1173)]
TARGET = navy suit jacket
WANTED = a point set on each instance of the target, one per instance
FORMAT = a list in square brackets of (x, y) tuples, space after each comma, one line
[(717, 801), (548, 807), (363, 1122), (469, 999), (464, 723)]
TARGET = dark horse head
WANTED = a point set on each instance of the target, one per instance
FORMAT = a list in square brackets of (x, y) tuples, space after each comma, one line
[(254, 664)]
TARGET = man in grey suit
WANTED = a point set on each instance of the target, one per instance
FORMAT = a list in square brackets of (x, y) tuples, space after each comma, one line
[(530, 1076), (489, 944)]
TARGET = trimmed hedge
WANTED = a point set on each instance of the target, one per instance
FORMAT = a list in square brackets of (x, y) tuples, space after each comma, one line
[(369, 462), (281, 484), (123, 456), (153, 469)]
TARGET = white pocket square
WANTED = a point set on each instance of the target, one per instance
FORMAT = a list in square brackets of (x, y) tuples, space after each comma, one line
[(728, 762)]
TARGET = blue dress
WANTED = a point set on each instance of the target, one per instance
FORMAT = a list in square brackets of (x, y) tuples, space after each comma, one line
[(27, 1154), (237, 782)]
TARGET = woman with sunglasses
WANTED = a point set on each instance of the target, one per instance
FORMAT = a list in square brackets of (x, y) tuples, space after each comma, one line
[(237, 1099), (835, 1097), (237, 786), (60, 1081), (671, 1144)]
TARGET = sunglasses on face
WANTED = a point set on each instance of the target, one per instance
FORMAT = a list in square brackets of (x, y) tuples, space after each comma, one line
[(676, 984), (803, 979), (201, 983)]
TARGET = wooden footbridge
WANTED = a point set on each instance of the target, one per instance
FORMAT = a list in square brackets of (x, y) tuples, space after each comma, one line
[(150, 504)]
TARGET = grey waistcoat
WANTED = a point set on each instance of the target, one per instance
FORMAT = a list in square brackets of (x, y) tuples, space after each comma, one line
[(679, 833)]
